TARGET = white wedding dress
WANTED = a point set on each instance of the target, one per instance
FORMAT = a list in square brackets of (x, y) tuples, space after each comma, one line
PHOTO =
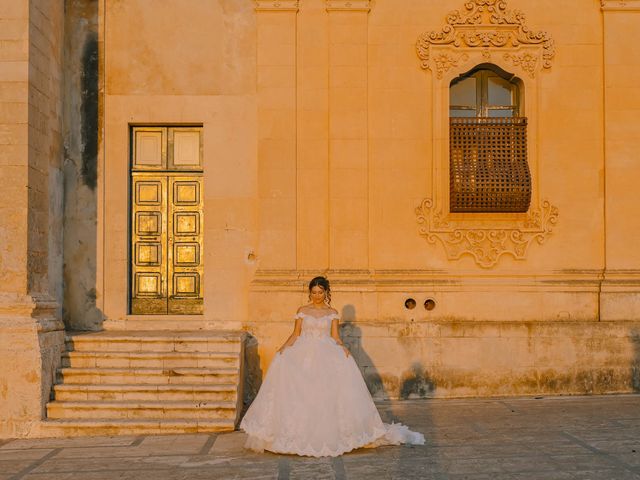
[(314, 401)]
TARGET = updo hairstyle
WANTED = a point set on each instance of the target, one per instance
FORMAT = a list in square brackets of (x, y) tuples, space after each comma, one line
[(324, 283)]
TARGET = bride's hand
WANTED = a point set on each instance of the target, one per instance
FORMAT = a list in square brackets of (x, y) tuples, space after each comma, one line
[(346, 350)]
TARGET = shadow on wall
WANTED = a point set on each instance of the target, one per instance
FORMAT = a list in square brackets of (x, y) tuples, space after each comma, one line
[(81, 166), (351, 335), (252, 372), (412, 383), (635, 366)]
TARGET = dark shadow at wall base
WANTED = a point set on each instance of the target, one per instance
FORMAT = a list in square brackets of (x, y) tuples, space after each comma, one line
[(252, 372)]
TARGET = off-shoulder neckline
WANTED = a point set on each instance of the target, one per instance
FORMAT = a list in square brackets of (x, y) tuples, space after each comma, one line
[(321, 316)]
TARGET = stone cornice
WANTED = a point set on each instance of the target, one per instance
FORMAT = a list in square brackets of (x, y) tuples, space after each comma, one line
[(348, 5), (620, 5), (277, 5), (401, 280)]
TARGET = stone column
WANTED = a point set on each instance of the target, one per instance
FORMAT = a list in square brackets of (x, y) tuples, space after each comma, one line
[(620, 297), (348, 158), (276, 94), (31, 332)]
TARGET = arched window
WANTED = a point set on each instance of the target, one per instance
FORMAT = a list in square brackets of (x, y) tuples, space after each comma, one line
[(488, 143)]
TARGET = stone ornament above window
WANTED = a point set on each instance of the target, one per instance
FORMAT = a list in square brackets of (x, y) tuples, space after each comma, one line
[(486, 245), (348, 5), (620, 5), (485, 25), (277, 5)]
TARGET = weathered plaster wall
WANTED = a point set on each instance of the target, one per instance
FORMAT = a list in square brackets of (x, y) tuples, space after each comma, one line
[(411, 359), (81, 165)]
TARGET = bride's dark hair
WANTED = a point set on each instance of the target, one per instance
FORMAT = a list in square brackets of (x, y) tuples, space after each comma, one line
[(321, 282)]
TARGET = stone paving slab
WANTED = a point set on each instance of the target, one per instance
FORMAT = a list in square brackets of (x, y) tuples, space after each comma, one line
[(555, 438)]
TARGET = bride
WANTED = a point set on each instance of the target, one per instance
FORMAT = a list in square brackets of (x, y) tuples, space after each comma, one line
[(313, 400)]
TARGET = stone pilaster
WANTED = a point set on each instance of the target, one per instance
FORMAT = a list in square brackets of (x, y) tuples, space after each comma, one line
[(348, 135), (31, 332), (276, 95), (312, 137), (620, 297)]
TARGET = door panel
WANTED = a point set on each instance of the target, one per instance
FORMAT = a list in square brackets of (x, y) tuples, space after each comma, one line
[(149, 240), (185, 243)]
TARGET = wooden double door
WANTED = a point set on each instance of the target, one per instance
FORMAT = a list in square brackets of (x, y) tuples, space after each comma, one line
[(166, 243)]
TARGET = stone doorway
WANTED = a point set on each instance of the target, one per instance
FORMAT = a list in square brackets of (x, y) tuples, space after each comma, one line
[(166, 222)]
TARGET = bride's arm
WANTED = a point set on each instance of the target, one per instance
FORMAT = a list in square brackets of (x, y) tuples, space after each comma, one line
[(292, 338), (335, 334)]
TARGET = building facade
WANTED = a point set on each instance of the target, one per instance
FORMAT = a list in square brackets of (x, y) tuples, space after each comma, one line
[(464, 173)]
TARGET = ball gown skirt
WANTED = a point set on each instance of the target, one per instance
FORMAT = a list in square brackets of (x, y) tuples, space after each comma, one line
[(314, 401)]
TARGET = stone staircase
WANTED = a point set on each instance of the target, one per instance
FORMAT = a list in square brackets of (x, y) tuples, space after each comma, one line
[(147, 382)]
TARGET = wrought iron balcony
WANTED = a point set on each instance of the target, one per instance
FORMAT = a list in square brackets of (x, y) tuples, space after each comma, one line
[(488, 167)]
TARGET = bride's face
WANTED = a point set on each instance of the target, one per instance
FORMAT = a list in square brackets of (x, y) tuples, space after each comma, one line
[(317, 295)]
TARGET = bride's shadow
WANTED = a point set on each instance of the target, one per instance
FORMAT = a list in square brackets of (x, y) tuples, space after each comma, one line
[(409, 409), (252, 373), (351, 335)]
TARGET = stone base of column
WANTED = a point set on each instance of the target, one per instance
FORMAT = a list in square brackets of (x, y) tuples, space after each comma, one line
[(31, 343)]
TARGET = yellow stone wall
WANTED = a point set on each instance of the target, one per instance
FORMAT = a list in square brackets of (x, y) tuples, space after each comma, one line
[(325, 143), (323, 134)]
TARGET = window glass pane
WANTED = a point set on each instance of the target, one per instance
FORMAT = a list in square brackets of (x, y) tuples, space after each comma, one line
[(453, 112), (463, 92), (500, 91), (500, 113)]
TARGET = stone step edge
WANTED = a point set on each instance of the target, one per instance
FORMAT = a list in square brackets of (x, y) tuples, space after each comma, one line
[(55, 428), (150, 370), (88, 422), (144, 404), (151, 387), (151, 336), (149, 354)]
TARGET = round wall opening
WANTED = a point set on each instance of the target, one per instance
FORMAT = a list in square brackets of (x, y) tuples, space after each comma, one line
[(429, 304), (410, 304)]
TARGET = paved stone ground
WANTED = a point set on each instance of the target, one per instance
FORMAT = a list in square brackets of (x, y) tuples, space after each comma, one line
[(526, 438)]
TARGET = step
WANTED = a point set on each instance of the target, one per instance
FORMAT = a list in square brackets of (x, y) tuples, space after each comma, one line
[(141, 409), (70, 428), (82, 359), (149, 341), (80, 392), (157, 376)]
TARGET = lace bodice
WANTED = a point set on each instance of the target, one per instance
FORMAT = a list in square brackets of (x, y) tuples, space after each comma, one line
[(316, 327)]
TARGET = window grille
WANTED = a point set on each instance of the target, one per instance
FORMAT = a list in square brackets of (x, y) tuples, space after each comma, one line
[(488, 165)]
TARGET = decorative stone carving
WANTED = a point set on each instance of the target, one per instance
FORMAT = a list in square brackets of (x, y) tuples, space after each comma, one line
[(277, 5), (486, 245), (527, 61), (348, 5), (445, 61), (487, 24), (617, 5)]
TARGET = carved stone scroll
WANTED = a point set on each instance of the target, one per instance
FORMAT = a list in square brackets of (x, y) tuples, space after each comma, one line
[(486, 245)]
